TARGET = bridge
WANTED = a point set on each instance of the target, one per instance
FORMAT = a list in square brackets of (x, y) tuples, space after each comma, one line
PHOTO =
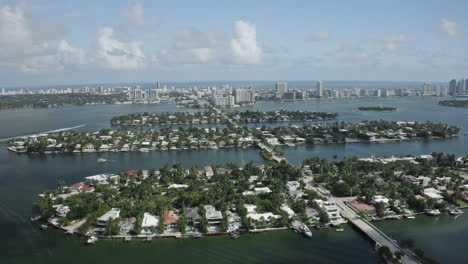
[(379, 237)]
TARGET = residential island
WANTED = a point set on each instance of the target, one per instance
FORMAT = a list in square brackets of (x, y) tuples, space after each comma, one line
[(232, 136), (214, 116), (180, 202), (57, 100), (377, 108), (455, 103)]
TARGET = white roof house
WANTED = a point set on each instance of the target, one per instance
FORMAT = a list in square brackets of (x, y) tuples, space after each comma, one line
[(380, 199), (112, 214), (433, 193), (293, 185), (260, 190), (149, 220), (288, 210), (103, 178)]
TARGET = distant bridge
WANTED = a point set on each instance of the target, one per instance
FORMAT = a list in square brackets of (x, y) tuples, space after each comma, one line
[(379, 237)]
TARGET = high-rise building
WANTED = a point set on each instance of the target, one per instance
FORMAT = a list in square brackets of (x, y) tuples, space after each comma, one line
[(460, 87), (427, 89), (452, 87), (3, 91), (158, 85), (244, 96), (281, 87), (320, 88)]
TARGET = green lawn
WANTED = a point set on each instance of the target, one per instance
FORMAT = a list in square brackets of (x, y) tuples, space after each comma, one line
[(462, 203)]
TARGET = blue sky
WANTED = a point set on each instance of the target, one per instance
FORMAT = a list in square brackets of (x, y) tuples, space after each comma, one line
[(72, 42)]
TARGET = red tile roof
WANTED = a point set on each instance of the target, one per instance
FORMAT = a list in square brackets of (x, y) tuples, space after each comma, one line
[(170, 218), (361, 206)]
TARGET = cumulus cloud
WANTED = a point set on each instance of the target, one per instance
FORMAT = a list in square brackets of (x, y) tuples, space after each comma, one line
[(449, 27), (119, 55), (21, 36), (244, 46), (137, 17), (317, 36), (192, 46), (393, 42)]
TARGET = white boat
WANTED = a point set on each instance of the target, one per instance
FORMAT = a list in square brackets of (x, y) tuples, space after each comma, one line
[(410, 217), (434, 212), (455, 211), (339, 230), (92, 240), (101, 160), (305, 230)]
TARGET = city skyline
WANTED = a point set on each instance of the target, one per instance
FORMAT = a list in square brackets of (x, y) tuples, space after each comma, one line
[(54, 43)]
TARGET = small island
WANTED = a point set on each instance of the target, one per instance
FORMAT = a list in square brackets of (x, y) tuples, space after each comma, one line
[(232, 136), (377, 108), (455, 103), (58, 100), (214, 116)]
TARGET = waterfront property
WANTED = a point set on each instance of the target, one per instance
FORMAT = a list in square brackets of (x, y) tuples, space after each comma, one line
[(252, 198)]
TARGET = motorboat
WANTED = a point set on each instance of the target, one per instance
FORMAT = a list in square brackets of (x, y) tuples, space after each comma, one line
[(433, 212), (339, 230), (101, 160), (455, 211), (92, 240), (305, 230), (410, 217)]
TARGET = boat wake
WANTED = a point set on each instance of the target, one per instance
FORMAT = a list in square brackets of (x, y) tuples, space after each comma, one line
[(46, 132)]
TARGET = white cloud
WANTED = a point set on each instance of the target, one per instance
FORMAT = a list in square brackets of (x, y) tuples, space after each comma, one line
[(317, 36), (192, 46), (449, 27), (392, 42), (138, 18), (21, 37), (244, 46), (119, 55)]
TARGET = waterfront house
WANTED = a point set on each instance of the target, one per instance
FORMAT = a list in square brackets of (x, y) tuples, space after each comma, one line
[(213, 216), (61, 210), (332, 211), (193, 217), (170, 220), (103, 178), (126, 225), (149, 220), (111, 214), (209, 172)]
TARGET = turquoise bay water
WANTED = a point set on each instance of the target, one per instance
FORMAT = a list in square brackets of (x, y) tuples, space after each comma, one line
[(22, 177)]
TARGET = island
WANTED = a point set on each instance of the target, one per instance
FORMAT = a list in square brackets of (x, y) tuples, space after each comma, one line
[(232, 136), (455, 103), (377, 108), (215, 116), (57, 100), (174, 201)]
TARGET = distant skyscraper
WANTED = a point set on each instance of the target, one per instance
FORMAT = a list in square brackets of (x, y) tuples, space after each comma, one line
[(427, 89), (158, 85), (320, 88), (460, 87), (281, 87), (244, 96), (452, 87)]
